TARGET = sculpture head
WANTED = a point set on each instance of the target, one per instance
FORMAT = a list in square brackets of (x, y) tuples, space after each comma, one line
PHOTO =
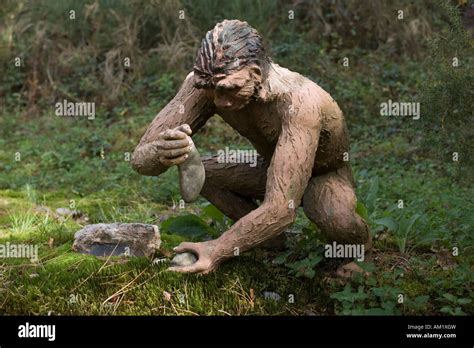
[(231, 64)]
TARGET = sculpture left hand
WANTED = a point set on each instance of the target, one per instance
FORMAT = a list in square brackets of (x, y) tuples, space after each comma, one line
[(206, 261)]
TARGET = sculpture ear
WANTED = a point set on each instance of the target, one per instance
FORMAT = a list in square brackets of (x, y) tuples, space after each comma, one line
[(255, 72)]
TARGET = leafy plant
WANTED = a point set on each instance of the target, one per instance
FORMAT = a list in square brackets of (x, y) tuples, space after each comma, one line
[(402, 229), (303, 255), (217, 219), (351, 301), (305, 267), (446, 102), (367, 210), (455, 304), (189, 226)]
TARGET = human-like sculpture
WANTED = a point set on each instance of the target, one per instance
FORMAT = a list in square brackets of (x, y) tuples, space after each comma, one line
[(296, 127)]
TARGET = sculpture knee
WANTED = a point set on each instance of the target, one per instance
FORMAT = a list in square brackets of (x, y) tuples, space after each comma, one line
[(330, 204)]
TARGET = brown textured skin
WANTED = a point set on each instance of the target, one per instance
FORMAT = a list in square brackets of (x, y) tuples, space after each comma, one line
[(300, 134)]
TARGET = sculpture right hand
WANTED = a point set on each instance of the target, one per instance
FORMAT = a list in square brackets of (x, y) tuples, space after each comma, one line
[(174, 145)]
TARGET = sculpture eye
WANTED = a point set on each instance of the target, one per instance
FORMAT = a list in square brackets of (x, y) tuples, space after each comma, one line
[(229, 88)]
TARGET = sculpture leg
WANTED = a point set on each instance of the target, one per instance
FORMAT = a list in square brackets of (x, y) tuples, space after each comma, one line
[(329, 201), (234, 187)]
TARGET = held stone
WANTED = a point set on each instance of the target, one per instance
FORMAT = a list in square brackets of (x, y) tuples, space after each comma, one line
[(183, 259), (191, 176)]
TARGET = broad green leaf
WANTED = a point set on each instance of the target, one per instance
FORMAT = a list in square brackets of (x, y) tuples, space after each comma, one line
[(362, 210), (421, 299), (372, 195), (446, 309), (409, 224), (314, 259), (388, 222), (213, 213), (450, 297), (189, 226), (281, 259), (367, 267), (464, 301)]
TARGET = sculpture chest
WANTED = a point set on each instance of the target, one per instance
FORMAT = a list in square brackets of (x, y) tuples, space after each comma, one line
[(261, 126)]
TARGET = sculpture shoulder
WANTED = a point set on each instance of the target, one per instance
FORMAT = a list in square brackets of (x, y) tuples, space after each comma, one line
[(299, 89), (309, 104)]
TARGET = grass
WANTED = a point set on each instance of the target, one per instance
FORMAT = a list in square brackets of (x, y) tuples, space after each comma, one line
[(64, 282)]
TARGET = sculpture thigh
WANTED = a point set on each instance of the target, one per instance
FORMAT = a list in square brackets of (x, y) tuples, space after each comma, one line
[(329, 199), (234, 187)]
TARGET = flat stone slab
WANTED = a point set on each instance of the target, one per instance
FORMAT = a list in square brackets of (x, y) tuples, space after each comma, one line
[(118, 239)]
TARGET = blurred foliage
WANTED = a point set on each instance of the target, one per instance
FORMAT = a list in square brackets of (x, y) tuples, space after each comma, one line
[(447, 102), (84, 57)]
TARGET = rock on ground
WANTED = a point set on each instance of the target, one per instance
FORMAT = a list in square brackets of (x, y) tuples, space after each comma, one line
[(118, 239)]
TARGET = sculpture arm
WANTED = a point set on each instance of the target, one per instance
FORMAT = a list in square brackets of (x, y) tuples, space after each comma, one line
[(191, 106)]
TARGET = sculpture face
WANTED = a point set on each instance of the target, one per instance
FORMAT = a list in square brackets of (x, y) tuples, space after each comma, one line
[(235, 90), (230, 64)]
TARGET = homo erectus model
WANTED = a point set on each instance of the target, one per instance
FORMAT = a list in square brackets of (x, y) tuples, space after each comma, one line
[(297, 128)]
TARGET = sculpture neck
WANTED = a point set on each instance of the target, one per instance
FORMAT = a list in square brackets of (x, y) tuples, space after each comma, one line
[(275, 84)]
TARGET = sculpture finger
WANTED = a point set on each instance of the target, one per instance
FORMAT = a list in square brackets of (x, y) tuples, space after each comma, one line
[(173, 161), (166, 134), (170, 154), (174, 134), (185, 247), (173, 144), (185, 128)]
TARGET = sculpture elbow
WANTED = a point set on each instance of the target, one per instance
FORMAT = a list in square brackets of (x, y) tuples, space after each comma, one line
[(139, 166), (281, 212), (146, 167)]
